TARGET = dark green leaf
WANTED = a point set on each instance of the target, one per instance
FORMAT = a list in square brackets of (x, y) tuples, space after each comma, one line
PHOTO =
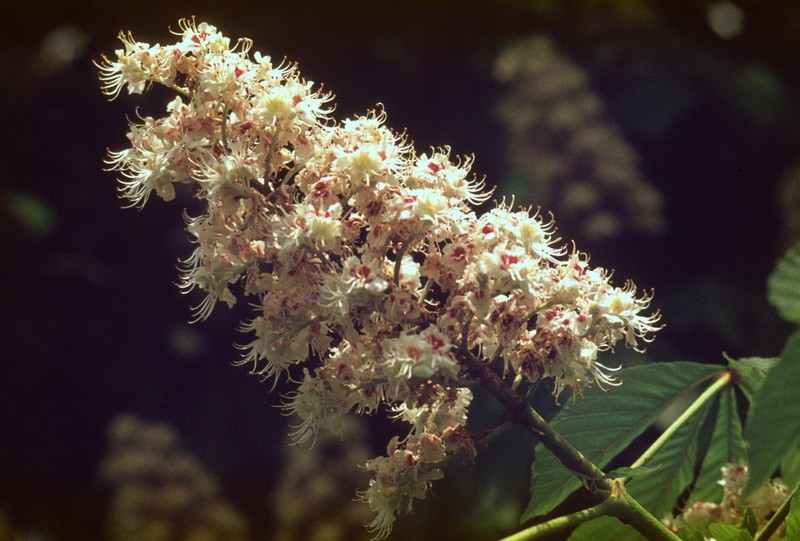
[(783, 285), (602, 424), (627, 473), (688, 533), (793, 521), (727, 532), (673, 469), (772, 426), (726, 446), (605, 529), (790, 466), (749, 521), (752, 371)]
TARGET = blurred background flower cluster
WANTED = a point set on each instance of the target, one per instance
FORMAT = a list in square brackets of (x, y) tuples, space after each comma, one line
[(662, 136)]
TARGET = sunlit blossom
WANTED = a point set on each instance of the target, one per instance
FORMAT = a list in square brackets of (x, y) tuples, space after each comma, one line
[(371, 275)]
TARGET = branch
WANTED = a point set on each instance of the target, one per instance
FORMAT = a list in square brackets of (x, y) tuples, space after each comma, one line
[(551, 527), (619, 505), (523, 414), (617, 502)]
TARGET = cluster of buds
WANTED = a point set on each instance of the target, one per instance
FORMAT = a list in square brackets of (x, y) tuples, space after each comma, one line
[(731, 510), (372, 276)]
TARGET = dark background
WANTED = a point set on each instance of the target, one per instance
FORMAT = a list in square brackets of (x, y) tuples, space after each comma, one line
[(93, 326)]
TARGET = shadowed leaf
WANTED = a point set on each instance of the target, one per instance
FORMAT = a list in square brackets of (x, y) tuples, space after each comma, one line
[(783, 285), (601, 424), (772, 428)]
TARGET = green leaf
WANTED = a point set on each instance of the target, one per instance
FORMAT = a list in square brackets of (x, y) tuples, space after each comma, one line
[(752, 371), (749, 521), (772, 426), (674, 468), (727, 446), (687, 533), (790, 466), (602, 424), (605, 529), (783, 285), (627, 473), (793, 521), (727, 532)]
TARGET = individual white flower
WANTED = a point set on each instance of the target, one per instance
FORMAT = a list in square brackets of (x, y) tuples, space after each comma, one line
[(319, 403), (287, 101), (440, 174), (506, 268), (311, 227), (201, 38), (425, 205), (364, 275), (218, 77), (361, 281), (276, 344), (447, 409), (130, 68), (398, 479), (622, 310), (229, 174), (420, 355)]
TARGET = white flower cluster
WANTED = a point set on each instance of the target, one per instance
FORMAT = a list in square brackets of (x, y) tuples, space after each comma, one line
[(365, 260)]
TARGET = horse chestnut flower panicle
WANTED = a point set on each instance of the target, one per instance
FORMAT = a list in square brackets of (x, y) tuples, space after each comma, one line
[(358, 252)]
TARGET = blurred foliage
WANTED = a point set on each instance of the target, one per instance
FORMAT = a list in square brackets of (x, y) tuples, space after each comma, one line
[(564, 153), (33, 214), (159, 491), (789, 199), (327, 475)]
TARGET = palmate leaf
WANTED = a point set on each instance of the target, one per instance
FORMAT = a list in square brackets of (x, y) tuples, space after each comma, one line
[(673, 467), (601, 424), (773, 424), (726, 446), (783, 285)]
